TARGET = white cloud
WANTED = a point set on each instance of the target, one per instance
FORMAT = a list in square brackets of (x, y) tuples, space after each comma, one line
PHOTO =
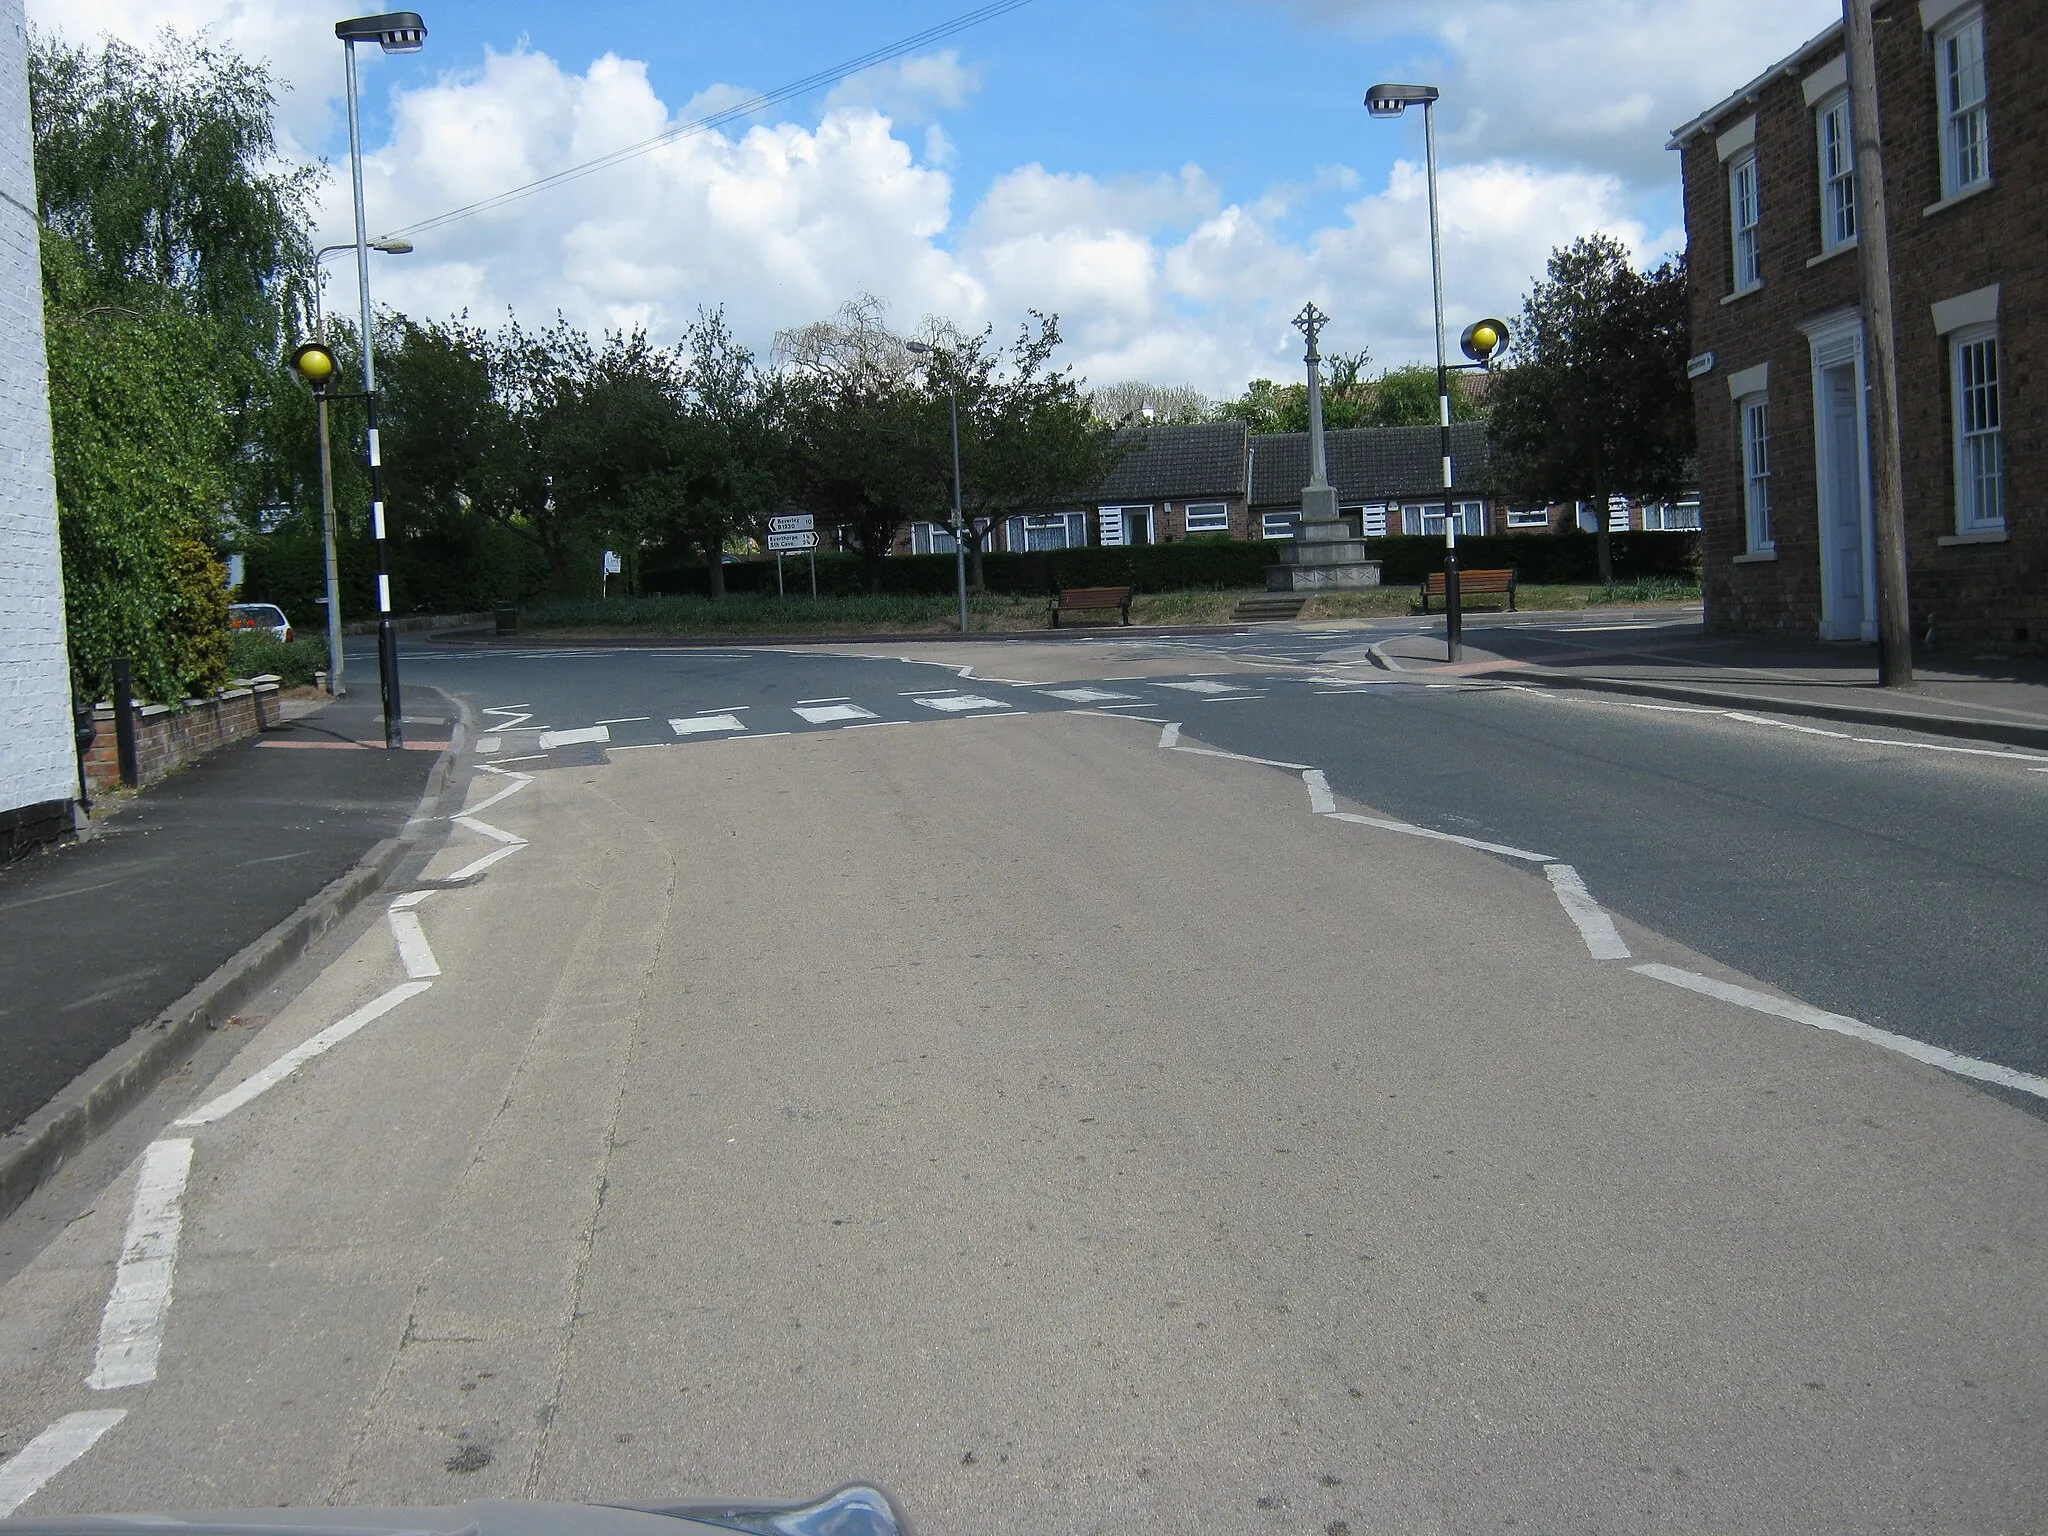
[(1158, 276)]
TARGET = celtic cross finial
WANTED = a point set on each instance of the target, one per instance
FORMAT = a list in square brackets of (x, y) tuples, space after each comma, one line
[(1310, 323)]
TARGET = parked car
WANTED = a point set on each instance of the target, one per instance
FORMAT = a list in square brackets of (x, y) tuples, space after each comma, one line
[(260, 616)]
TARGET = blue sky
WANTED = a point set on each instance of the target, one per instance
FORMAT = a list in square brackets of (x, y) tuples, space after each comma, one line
[(1173, 179)]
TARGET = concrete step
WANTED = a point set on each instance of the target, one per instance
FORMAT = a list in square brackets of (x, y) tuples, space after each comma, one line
[(1272, 608)]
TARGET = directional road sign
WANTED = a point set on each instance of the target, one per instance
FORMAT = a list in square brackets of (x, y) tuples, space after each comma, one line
[(784, 543), (795, 522)]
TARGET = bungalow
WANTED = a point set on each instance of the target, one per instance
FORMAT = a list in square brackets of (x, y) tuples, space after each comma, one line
[(1389, 480)]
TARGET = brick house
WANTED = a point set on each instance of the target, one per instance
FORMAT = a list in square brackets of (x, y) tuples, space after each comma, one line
[(1389, 480), (1779, 380), (38, 762), (1174, 482)]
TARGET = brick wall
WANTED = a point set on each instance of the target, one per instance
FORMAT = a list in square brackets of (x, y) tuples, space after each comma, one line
[(167, 738), (1973, 593), (37, 761)]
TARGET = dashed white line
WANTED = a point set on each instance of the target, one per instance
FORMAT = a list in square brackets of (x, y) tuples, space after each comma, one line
[(1603, 940), (478, 866), (1855, 1029), (1201, 685), (1239, 757), (22, 1476), (132, 1326), (825, 714), (414, 953), (1320, 801), (840, 698), (701, 725), (262, 1082), (956, 703), (496, 834), (1409, 829), (588, 734), (1169, 738), (628, 720), (1085, 695)]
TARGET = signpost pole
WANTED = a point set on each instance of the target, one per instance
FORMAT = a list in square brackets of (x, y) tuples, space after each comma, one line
[(814, 573), (780, 595)]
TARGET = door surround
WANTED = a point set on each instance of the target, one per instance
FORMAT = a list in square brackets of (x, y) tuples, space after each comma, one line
[(1836, 341)]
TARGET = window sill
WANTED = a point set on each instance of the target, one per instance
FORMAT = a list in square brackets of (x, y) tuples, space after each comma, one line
[(1983, 536), (1756, 557), (1742, 293), (1975, 189), (1841, 250)]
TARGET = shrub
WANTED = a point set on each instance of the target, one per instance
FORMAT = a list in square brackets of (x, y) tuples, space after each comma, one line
[(256, 652)]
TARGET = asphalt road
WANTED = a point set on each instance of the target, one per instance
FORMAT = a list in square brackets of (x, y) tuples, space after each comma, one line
[(1899, 885), (1074, 1125)]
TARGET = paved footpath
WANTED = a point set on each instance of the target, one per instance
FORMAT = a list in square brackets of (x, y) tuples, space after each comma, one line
[(1077, 1129)]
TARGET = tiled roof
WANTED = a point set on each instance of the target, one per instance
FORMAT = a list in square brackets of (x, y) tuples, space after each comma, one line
[(1369, 463), (1175, 463)]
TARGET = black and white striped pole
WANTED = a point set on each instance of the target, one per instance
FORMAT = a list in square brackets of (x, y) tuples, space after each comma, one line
[(394, 32)]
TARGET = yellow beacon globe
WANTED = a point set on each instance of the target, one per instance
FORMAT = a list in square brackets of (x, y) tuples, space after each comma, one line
[(314, 362), (1486, 338)]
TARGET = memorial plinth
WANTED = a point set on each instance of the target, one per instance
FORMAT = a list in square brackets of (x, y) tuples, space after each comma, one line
[(1323, 556)]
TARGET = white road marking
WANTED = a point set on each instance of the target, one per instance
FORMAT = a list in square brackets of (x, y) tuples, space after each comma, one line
[(478, 866), (549, 740), (955, 703), (839, 698), (869, 725), (497, 834), (1203, 686), (262, 1082), (1320, 801), (520, 781), (489, 744), (825, 714), (414, 953), (1169, 738), (1084, 695), (410, 900), (1239, 757), (533, 758), (132, 1327), (699, 725), (1409, 829), (640, 746), (628, 720), (1855, 1029), (22, 1476), (1603, 941)]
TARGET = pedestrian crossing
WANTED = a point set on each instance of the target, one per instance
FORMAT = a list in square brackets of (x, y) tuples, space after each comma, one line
[(720, 720)]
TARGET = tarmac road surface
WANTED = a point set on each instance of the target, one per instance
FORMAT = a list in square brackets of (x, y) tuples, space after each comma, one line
[(1068, 1123)]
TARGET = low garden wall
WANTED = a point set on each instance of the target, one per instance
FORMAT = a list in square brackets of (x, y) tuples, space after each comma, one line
[(169, 736)]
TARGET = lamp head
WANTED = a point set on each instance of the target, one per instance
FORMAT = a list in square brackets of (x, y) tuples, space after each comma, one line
[(315, 364), (394, 31), (1393, 100), (1483, 340), (392, 247)]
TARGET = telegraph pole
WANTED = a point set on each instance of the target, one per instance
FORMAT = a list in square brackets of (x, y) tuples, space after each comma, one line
[(1874, 268)]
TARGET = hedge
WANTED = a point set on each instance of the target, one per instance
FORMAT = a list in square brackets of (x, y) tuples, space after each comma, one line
[(1539, 558), (428, 574)]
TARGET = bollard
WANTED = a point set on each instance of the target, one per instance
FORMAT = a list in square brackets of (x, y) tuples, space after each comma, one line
[(124, 724), (508, 618)]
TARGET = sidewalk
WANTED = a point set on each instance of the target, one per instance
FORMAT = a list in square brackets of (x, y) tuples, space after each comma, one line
[(1980, 698), (100, 937)]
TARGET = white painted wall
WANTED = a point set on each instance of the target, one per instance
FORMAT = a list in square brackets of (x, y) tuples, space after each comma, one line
[(36, 755)]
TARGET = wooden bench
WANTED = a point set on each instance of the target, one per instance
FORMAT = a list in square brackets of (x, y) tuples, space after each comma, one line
[(1472, 584), (1092, 600)]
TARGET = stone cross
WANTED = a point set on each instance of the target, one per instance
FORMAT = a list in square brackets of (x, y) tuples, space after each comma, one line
[(1310, 323)]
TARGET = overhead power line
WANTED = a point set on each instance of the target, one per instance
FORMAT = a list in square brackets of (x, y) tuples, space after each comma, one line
[(753, 104)]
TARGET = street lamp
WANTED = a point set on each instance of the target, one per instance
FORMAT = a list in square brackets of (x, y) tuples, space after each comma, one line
[(335, 657), (1392, 101), (394, 32), (923, 349)]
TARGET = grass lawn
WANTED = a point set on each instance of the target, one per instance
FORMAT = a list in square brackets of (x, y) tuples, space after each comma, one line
[(988, 613)]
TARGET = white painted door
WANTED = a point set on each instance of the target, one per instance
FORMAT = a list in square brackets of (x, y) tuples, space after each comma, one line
[(1847, 612)]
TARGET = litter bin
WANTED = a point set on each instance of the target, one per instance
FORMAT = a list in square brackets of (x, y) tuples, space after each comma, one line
[(508, 618)]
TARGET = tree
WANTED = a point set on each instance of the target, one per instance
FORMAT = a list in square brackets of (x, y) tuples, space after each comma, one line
[(1170, 405), (1597, 403), (735, 470), (1399, 397), (1407, 397), (865, 441)]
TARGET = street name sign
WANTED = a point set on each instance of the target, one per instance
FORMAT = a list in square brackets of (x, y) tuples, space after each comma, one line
[(795, 522), (784, 543)]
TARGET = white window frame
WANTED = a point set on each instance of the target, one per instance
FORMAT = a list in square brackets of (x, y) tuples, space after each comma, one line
[(1072, 528), (1745, 219), (1214, 515), (1835, 146), (1978, 428), (1753, 429), (1427, 519), (1278, 525), (1965, 118), (1528, 517), (1672, 516), (928, 538)]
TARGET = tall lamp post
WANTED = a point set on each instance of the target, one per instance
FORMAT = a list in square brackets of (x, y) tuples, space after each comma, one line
[(394, 32), (923, 349), (1392, 101), (335, 657)]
